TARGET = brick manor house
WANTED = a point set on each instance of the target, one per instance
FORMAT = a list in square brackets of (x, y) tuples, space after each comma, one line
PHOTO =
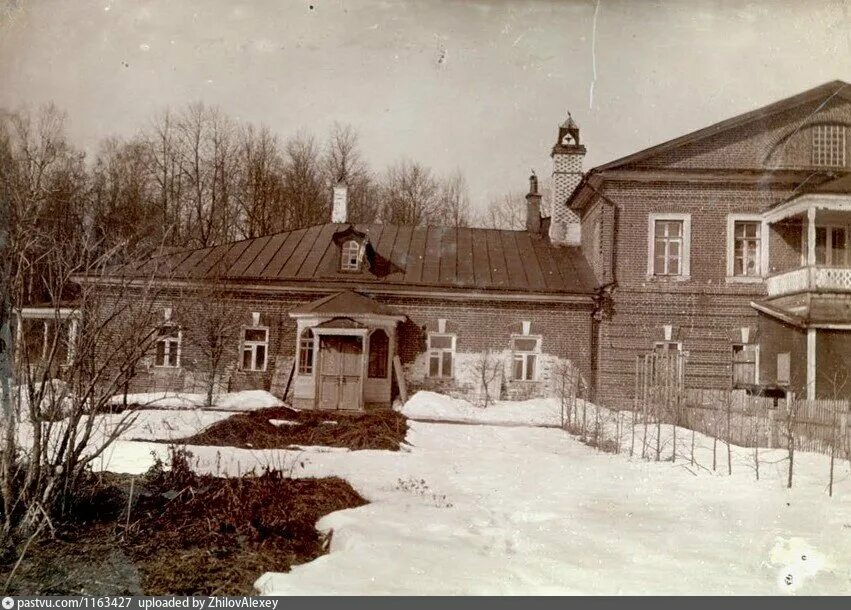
[(729, 243)]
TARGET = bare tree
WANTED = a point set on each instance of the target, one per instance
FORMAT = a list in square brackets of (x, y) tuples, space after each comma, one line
[(260, 182), (213, 323), (453, 207), (488, 370), (409, 194), (344, 163), (306, 197), (505, 212)]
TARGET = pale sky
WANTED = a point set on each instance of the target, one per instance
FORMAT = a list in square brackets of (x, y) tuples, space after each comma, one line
[(479, 86)]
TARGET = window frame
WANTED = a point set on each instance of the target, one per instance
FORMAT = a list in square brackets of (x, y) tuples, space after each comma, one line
[(244, 343), (386, 362), (828, 245), (308, 354), (685, 252), (526, 356), (762, 251), (439, 351), (823, 149), (755, 347), (345, 256), (168, 340)]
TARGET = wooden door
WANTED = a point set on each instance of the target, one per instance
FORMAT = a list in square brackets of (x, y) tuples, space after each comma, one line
[(341, 368)]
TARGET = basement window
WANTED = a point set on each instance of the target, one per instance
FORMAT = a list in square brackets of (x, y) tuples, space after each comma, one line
[(441, 355), (255, 347), (167, 347), (524, 357)]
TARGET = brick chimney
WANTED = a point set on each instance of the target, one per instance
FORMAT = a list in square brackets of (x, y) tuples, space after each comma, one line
[(567, 156), (339, 210), (533, 206)]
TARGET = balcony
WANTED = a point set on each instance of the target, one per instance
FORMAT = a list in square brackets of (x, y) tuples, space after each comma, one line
[(810, 279)]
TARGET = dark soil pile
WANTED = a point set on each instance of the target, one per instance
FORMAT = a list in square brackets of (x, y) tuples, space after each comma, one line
[(186, 535), (363, 430)]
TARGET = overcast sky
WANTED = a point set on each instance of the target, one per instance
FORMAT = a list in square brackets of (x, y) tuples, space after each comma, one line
[(480, 86)]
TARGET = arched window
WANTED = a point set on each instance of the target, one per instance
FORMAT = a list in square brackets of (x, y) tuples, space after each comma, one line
[(379, 350), (305, 353), (350, 259)]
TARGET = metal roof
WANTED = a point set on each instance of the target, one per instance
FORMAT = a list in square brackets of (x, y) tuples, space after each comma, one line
[(400, 256)]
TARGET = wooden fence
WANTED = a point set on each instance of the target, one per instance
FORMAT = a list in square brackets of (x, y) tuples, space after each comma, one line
[(734, 415)]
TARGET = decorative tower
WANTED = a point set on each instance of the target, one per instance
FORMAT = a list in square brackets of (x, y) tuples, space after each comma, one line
[(567, 156)]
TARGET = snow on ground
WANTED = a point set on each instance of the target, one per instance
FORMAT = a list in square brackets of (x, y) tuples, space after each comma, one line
[(431, 406), (524, 510), (247, 400)]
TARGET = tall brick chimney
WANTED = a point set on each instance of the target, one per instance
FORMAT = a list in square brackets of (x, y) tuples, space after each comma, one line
[(533, 206), (567, 156), (339, 204)]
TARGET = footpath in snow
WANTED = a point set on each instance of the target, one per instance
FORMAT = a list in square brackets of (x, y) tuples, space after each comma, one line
[(529, 510)]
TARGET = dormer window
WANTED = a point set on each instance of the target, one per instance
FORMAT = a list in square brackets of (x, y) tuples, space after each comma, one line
[(350, 256), (829, 145)]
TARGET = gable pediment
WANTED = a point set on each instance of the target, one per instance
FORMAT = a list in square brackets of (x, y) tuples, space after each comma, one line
[(777, 136)]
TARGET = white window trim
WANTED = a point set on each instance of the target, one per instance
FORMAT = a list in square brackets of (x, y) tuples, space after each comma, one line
[(756, 360), (836, 128), (440, 350), (167, 352), (685, 266), (344, 258), (254, 344), (828, 243), (732, 219), (537, 352)]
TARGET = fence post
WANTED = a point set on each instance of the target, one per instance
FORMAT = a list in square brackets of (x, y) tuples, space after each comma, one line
[(771, 428)]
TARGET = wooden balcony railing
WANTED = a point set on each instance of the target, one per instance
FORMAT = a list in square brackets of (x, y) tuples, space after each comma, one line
[(810, 279)]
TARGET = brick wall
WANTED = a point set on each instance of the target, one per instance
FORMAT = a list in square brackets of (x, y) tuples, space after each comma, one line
[(479, 326), (704, 310)]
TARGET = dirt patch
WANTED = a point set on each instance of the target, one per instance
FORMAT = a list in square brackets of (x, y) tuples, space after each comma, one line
[(254, 430), (186, 534)]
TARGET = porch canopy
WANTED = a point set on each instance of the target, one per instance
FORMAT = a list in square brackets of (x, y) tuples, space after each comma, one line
[(822, 201), (345, 344)]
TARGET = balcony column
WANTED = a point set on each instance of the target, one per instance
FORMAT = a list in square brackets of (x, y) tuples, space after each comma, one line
[(811, 364), (811, 236)]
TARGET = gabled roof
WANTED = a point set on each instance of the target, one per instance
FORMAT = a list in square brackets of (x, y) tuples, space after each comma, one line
[(345, 303), (836, 88), (425, 258)]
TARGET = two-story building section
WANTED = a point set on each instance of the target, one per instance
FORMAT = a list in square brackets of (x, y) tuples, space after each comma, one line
[(729, 243)]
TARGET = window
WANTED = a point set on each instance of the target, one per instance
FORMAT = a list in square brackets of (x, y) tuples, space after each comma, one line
[(167, 353), (379, 350), (669, 237), (524, 357), (746, 248), (829, 145), (255, 346), (441, 355), (305, 353), (350, 260), (745, 364), (831, 246)]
